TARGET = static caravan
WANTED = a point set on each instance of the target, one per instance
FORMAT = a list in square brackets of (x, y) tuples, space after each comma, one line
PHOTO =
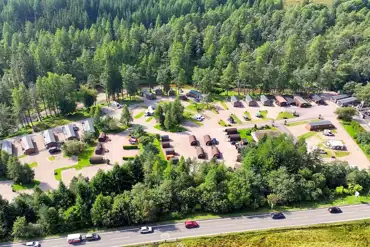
[(266, 101), (207, 140), (250, 101), (200, 153), (49, 139), (7, 147), (216, 152), (27, 145), (193, 140), (235, 101)]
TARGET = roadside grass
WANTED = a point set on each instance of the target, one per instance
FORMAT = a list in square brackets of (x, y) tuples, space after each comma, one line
[(222, 123), (302, 122), (83, 161), (176, 129), (353, 129), (285, 115), (307, 135), (157, 143), (139, 115), (19, 187), (340, 154), (246, 113), (149, 119), (342, 234), (22, 156), (224, 105), (33, 164), (236, 119)]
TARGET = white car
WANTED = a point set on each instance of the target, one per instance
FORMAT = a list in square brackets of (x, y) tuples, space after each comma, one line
[(146, 229), (199, 117), (33, 244), (116, 104)]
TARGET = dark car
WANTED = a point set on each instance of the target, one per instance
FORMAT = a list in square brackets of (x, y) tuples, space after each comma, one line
[(277, 216), (334, 210), (246, 118), (214, 141), (75, 127), (231, 120), (191, 224), (54, 150), (92, 237)]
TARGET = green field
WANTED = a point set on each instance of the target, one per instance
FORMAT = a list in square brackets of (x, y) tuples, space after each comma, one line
[(285, 115), (307, 135), (18, 187), (348, 234), (245, 134)]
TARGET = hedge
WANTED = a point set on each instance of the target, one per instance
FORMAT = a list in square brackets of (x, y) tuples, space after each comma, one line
[(128, 157), (130, 147)]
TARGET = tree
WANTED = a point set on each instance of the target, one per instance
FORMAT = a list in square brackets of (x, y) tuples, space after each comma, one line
[(159, 114), (126, 117), (227, 78), (7, 119), (129, 79), (100, 210), (73, 147), (363, 92), (350, 87), (345, 113), (88, 95)]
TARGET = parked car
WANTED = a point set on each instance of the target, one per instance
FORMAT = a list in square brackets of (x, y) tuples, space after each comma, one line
[(334, 210), (116, 104), (277, 216), (328, 133), (54, 150), (92, 237), (246, 118), (295, 114), (214, 141), (191, 224), (231, 120), (33, 244), (146, 229), (199, 117)]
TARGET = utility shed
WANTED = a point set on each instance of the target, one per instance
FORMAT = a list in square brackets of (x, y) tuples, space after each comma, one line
[(339, 97), (193, 140), (300, 102), (280, 101), (289, 100), (27, 145), (234, 138), (320, 125), (230, 131), (348, 101), (99, 149), (165, 138), (69, 132), (7, 147), (216, 153), (200, 153), (88, 125), (102, 137), (166, 145), (250, 101), (317, 99), (266, 101), (49, 138), (207, 140), (149, 95), (235, 101), (169, 151)]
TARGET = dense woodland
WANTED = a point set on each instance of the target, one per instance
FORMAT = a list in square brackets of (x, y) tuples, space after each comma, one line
[(49, 48)]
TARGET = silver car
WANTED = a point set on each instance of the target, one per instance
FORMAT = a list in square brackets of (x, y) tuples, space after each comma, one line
[(33, 244), (146, 229)]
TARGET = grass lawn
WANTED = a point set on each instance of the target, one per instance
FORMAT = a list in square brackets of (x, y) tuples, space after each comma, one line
[(236, 119), (149, 119), (285, 115), (302, 122), (345, 234), (157, 143), (18, 187), (51, 158), (340, 154), (189, 116), (246, 133), (34, 164), (177, 129), (263, 114), (222, 123), (353, 128), (83, 161), (127, 101), (224, 105), (139, 115), (307, 135), (246, 113)]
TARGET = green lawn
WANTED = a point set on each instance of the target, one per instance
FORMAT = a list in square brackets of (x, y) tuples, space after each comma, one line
[(353, 128), (33, 164), (302, 122), (51, 158), (139, 115), (344, 234), (222, 123), (149, 119), (177, 129), (340, 154), (246, 113), (127, 101), (285, 115), (83, 161), (307, 135), (18, 187), (245, 133), (189, 116), (158, 144), (263, 114), (224, 105), (236, 119)]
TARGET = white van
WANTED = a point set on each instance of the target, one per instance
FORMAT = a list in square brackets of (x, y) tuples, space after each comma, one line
[(74, 238), (116, 105)]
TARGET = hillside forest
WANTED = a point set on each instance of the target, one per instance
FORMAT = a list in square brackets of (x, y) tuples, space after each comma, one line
[(56, 52)]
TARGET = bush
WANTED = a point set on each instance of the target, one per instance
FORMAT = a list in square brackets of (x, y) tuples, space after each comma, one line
[(73, 148), (146, 140), (88, 138), (130, 147), (128, 157)]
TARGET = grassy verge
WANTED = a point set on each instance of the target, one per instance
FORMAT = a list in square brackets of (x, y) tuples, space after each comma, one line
[(353, 129), (157, 143), (246, 113), (139, 115), (130, 147), (246, 134), (340, 154), (224, 105), (33, 164), (176, 129), (307, 135), (130, 101), (149, 119), (345, 234), (222, 123), (285, 115), (83, 161), (19, 187), (302, 122), (236, 119)]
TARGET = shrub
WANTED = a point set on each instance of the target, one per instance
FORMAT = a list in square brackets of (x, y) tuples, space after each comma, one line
[(73, 147), (146, 140), (88, 138), (128, 157), (130, 147)]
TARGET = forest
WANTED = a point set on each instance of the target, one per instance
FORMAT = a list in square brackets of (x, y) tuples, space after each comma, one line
[(52, 49)]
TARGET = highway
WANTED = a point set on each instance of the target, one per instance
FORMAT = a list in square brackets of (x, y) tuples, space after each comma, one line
[(172, 232)]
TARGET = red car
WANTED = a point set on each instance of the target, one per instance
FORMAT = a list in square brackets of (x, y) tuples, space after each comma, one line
[(191, 224)]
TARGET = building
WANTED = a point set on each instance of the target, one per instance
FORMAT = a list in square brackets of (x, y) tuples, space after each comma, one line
[(49, 139), (27, 145), (194, 94), (339, 97), (158, 91), (102, 137), (230, 131), (207, 140), (88, 125), (149, 95), (99, 149), (169, 151), (300, 102), (166, 145), (250, 101), (200, 153), (165, 138), (336, 145), (280, 101), (216, 152), (258, 135), (289, 100), (7, 147), (193, 140), (69, 132), (317, 99), (348, 101), (234, 138), (266, 101), (320, 125), (235, 101)]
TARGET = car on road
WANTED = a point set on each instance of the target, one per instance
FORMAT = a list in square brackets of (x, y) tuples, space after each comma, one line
[(54, 150), (33, 244), (74, 238), (146, 229), (92, 237), (334, 210), (191, 224), (277, 216)]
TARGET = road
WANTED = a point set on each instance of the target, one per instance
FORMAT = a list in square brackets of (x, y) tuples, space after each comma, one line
[(218, 226)]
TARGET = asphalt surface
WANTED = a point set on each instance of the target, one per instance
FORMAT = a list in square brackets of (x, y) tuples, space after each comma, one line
[(171, 232)]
